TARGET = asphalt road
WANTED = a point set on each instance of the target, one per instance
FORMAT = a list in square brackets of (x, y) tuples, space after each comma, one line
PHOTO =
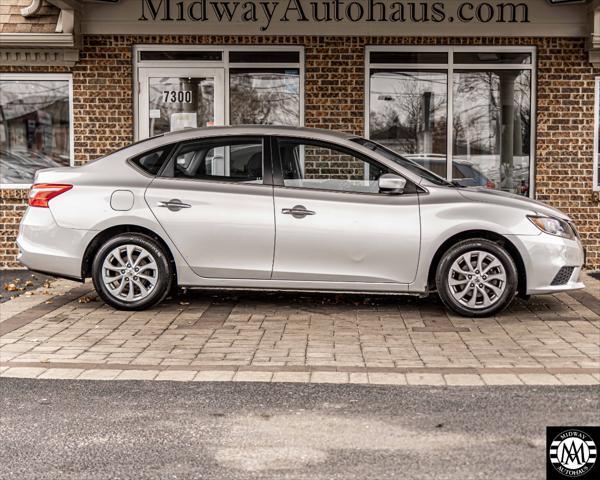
[(55, 429)]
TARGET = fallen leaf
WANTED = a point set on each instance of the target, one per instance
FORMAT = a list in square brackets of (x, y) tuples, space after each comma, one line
[(10, 287), (88, 299), (28, 283)]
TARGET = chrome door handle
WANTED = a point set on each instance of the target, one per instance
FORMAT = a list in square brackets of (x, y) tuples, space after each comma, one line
[(298, 211), (174, 205)]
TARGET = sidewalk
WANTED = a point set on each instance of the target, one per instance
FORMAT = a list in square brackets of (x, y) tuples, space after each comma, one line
[(65, 332)]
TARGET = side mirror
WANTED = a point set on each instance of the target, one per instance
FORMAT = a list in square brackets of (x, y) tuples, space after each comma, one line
[(391, 184)]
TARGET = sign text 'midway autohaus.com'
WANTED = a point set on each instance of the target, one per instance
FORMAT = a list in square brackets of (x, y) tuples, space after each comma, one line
[(264, 13)]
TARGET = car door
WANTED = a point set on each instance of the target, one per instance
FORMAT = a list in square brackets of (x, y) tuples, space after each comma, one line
[(333, 224), (215, 201)]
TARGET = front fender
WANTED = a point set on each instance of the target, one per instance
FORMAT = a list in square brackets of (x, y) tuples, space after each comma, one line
[(446, 214)]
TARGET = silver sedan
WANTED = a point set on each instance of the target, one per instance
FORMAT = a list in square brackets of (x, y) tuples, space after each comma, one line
[(279, 208)]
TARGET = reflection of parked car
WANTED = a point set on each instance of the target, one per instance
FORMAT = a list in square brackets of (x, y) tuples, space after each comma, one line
[(19, 166), (463, 173)]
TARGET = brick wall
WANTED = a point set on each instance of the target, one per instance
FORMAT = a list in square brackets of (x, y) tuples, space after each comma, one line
[(11, 19), (334, 98)]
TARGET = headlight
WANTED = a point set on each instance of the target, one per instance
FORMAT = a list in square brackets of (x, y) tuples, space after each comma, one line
[(553, 226)]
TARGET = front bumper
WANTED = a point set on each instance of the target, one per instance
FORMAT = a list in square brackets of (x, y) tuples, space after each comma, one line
[(544, 256), (46, 247)]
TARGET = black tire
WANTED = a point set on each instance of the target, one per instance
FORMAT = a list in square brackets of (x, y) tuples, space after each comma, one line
[(163, 273), (500, 301)]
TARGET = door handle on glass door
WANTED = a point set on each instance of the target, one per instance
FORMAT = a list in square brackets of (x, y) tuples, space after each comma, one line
[(298, 211), (174, 205)]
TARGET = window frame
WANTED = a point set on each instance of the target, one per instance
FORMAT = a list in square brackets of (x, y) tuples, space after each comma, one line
[(449, 68), (168, 170), (223, 64), (278, 180), (41, 77), (596, 155)]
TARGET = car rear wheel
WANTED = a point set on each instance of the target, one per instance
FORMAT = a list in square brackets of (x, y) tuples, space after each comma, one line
[(132, 272), (476, 278)]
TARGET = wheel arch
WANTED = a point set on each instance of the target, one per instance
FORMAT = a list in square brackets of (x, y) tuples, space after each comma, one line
[(104, 235), (488, 235)]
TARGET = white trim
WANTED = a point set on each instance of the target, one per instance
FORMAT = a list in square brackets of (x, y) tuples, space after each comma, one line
[(39, 77), (533, 121), (37, 40), (449, 68), (450, 115), (224, 64), (596, 155)]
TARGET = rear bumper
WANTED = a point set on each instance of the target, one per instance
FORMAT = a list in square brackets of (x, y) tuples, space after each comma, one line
[(46, 247), (544, 255)]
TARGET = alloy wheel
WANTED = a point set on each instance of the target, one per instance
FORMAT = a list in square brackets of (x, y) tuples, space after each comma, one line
[(130, 272), (477, 279)]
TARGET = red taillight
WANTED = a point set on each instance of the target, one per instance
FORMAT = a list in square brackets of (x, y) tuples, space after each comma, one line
[(41, 193), (490, 184)]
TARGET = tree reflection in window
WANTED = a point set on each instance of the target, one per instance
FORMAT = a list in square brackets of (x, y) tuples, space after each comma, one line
[(259, 96), (34, 128)]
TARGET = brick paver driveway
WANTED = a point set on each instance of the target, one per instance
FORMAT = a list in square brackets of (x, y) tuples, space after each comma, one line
[(302, 337)]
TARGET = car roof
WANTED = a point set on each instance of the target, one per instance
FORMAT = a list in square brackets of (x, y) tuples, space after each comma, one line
[(191, 133)]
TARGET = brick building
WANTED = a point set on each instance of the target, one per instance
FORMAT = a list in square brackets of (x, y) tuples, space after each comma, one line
[(503, 95)]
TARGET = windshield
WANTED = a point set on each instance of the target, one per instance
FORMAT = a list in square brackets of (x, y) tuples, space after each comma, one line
[(410, 165)]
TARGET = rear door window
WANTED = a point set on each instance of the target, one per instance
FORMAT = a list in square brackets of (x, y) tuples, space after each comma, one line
[(237, 160)]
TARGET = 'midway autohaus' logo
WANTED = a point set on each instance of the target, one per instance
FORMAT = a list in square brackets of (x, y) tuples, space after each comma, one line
[(572, 453), (264, 13)]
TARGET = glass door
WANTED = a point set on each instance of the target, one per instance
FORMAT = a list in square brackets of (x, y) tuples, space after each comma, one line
[(172, 99)]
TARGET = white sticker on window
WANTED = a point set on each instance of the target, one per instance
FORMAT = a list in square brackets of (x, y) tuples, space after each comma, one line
[(155, 113), (181, 120)]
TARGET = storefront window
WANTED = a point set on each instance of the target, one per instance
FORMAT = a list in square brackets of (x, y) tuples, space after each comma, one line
[(268, 96), (490, 132), (34, 126), (408, 114), (192, 86), (491, 125)]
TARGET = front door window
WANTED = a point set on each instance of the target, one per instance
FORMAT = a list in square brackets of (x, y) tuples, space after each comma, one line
[(179, 98), (325, 167), (179, 102)]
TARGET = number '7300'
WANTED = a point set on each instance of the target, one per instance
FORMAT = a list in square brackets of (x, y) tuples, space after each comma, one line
[(177, 96)]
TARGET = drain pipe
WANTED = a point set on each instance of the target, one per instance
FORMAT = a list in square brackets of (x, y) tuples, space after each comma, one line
[(33, 9)]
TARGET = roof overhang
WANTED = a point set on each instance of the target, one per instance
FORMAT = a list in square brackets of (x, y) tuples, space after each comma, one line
[(45, 49), (594, 39)]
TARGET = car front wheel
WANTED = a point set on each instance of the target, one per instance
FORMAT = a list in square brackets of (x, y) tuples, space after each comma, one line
[(476, 278), (131, 272)]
